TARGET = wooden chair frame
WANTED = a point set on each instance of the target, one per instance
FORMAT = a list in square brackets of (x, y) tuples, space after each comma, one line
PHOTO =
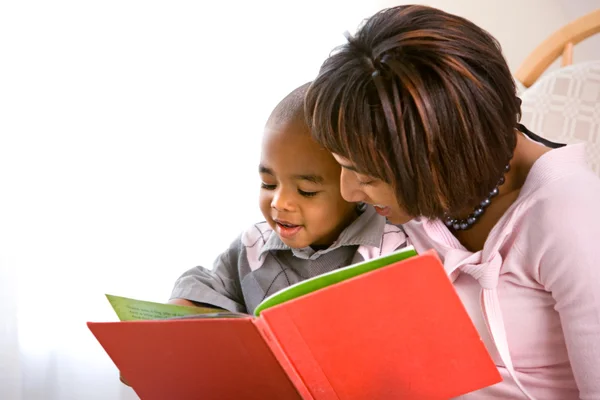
[(559, 43)]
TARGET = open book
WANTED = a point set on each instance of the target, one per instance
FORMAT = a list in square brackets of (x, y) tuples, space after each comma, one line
[(388, 328), (128, 309)]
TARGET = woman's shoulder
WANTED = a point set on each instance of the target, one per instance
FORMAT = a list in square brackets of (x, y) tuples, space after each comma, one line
[(564, 204), (561, 181)]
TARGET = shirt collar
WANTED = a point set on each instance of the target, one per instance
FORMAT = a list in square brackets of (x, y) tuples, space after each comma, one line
[(365, 230)]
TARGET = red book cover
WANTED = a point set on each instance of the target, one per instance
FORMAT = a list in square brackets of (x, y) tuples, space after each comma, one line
[(399, 332), (190, 359)]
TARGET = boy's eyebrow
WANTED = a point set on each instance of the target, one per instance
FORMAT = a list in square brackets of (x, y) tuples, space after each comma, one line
[(264, 170), (310, 178)]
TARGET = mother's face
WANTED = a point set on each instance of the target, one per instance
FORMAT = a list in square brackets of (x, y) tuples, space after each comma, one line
[(356, 187)]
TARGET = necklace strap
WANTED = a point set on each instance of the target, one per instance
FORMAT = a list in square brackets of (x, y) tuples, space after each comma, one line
[(539, 139)]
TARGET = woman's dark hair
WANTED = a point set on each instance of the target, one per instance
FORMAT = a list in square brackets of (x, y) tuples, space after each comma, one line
[(423, 100)]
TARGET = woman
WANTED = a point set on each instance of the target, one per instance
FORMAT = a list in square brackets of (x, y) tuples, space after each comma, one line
[(419, 108)]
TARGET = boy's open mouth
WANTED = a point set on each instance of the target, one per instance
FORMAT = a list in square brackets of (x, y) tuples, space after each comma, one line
[(286, 224), (286, 229)]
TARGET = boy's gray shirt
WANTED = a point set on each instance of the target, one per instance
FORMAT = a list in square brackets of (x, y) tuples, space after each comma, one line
[(258, 264)]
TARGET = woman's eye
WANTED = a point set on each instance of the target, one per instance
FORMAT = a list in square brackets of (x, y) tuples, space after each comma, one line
[(366, 183), (267, 186), (307, 194), (365, 180)]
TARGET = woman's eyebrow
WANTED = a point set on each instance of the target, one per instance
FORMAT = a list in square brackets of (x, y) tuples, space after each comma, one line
[(349, 167)]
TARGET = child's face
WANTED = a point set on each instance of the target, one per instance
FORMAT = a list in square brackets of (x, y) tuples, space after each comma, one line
[(300, 192)]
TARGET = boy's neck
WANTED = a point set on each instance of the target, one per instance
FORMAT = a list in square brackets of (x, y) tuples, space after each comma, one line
[(351, 218)]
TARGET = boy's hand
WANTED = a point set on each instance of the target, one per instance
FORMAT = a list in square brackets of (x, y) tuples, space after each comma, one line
[(123, 379), (189, 303), (183, 302)]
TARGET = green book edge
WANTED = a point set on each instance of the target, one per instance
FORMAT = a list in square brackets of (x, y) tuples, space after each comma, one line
[(128, 309), (330, 278)]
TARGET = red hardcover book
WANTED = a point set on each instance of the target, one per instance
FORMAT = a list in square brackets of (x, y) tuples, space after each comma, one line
[(397, 332)]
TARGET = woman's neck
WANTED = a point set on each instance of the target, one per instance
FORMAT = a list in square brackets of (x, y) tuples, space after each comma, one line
[(526, 154)]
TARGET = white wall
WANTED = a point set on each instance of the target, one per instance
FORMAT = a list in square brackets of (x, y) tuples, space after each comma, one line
[(520, 25), (129, 137)]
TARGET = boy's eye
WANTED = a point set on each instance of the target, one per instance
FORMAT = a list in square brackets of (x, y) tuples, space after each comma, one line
[(307, 194), (267, 186)]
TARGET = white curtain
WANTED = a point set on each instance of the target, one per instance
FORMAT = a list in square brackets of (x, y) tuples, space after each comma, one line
[(130, 136)]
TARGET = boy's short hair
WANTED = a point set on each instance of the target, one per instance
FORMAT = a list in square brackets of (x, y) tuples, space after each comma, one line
[(290, 108), (423, 100)]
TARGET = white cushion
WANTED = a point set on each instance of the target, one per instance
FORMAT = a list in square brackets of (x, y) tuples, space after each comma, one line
[(564, 106)]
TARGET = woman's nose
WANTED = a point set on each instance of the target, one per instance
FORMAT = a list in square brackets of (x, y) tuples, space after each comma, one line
[(350, 189)]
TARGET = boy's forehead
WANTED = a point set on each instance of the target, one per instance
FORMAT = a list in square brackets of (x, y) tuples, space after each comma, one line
[(293, 153), (293, 139), (288, 126)]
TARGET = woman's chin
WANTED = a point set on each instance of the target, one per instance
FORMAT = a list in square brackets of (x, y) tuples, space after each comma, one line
[(398, 219)]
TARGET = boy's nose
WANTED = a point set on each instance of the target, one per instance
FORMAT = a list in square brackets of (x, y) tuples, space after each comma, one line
[(281, 201)]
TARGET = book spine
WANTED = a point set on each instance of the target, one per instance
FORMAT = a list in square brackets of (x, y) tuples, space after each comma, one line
[(282, 358), (285, 331)]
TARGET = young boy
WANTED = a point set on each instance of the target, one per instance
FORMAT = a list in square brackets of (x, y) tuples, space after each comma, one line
[(309, 228)]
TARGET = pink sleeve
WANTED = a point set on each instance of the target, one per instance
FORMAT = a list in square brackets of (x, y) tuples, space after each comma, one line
[(564, 237)]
